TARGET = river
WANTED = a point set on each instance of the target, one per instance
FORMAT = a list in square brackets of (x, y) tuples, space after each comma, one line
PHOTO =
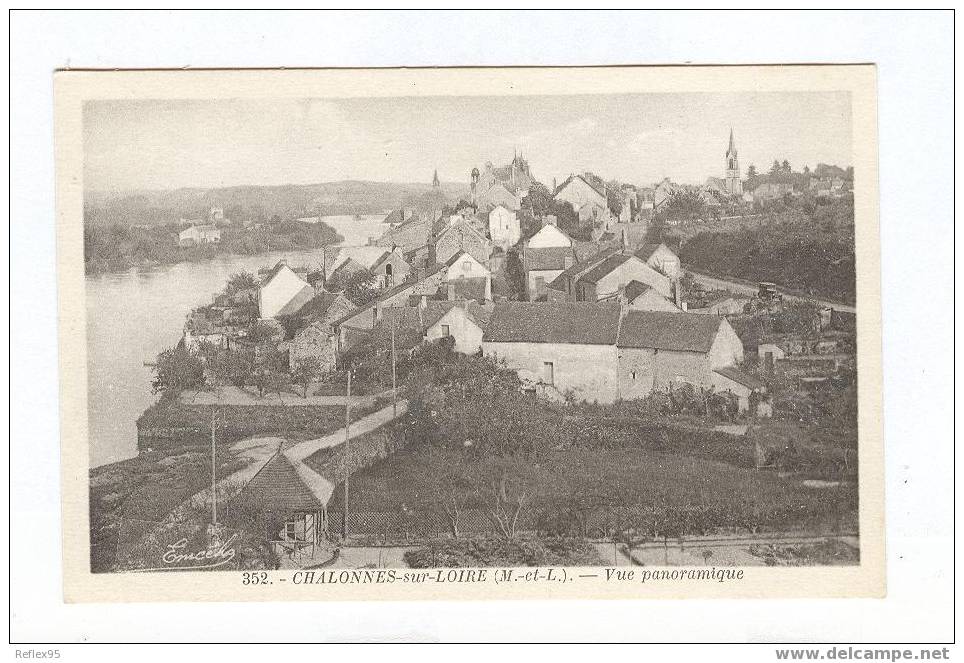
[(134, 315)]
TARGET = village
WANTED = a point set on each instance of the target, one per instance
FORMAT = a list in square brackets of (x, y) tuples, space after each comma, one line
[(497, 325)]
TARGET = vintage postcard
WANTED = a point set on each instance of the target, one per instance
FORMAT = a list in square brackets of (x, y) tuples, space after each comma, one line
[(470, 333)]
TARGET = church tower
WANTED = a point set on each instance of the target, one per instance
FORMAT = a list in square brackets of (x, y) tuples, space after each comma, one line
[(734, 185), (435, 183)]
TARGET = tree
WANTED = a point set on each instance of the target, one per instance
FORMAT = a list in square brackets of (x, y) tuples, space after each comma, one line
[(306, 371), (233, 367), (806, 170), (451, 481), (685, 205), (786, 167), (359, 287), (775, 168), (261, 331), (539, 199), (177, 369), (240, 281), (751, 172), (268, 380), (515, 276)]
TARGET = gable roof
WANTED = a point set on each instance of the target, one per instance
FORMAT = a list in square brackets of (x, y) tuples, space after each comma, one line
[(366, 256), (598, 187), (273, 272), (738, 376), (318, 306), (663, 330), (559, 282), (469, 288), (604, 268), (461, 223), (277, 488), (646, 251), (555, 229), (553, 322)]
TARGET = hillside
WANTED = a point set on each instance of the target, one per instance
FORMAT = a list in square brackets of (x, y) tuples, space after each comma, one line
[(255, 203)]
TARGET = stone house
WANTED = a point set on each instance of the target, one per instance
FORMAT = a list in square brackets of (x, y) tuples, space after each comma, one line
[(464, 267), (317, 340), (464, 322), (604, 352), (558, 347), (504, 228), (199, 234), (614, 273), (661, 258), (497, 195), (579, 190), (412, 233), (282, 292), (543, 265), (459, 235), (637, 296)]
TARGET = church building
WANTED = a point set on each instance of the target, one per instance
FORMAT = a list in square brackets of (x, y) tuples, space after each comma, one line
[(733, 183)]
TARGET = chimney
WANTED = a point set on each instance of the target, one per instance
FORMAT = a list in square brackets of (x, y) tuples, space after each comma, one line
[(567, 262), (551, 220), (451, 291), (423, 302), (453, 219), (678, 295)]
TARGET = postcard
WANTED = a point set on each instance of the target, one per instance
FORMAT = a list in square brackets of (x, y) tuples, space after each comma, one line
[(480, 333)]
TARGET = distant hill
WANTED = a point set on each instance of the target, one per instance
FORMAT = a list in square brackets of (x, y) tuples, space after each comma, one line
[(257, 203)]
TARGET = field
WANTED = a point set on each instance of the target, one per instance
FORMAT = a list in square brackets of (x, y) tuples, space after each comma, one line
[(599, 492)]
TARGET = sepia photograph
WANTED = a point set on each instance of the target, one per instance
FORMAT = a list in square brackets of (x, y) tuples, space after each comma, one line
[(424, 332)]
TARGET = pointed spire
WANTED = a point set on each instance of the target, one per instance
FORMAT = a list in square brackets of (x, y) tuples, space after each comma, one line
[(435, 182), (731, 148)]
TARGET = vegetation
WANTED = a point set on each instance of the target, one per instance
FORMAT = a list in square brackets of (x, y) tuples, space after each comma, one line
[(492, 551), (806, 246), (119, 247)]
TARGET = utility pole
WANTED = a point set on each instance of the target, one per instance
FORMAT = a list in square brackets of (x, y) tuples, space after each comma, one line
[(394, 384), (214, 473), (344, 523)]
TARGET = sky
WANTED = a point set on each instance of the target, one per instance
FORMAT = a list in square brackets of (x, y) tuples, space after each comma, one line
[(634, 138)]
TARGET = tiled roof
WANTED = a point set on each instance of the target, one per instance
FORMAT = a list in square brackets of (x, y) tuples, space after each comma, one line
[(662, 330), (634, 289), (319, 305), (296, 303), (559, 282), (604, 268), (646, 251), (553, 322), (738, 376), (597, 186), (277, 488), (548, 257)]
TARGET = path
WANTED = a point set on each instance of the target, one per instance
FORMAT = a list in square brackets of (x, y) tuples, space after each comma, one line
[(747, 288), (319, 485)]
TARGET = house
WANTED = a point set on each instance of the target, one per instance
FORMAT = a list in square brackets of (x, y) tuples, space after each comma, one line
[(458, 236), (769, 191), (549, 235), (603, 352), (661, 258), (412, 233), (464, 322), (659, 350), (563, 286), (324, 307), (317, 341), (627, 210), (615, 272), (199, 234), (594, 214), (359, 322), (464, 268), (579, 190), (499, 194), (558, 347), (387, 266), (646, 199), (282, 292), (664, 191), (504, 228), (542, 265), (291, 512), (638, 296), (515, 177), (731, 379)]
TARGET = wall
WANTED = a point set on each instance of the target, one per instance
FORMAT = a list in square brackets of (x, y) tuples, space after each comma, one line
[(548, 236), (547, 274), (504, 227), (578, 193), (653, 301), (659, 369), (461, 238), (589, 370), (312, 342), (279, 291), (727, 348), (633, 269), (467, 335), (666, 262)]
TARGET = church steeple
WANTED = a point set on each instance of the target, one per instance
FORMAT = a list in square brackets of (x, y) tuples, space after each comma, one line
[(731, 171), (435, 182)]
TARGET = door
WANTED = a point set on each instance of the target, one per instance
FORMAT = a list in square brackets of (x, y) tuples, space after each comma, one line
[(548, 373)]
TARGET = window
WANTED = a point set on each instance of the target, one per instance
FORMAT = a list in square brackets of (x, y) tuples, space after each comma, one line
[(445, 331), (634, 375), (466, 266), (548, 372), (388, 270)]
